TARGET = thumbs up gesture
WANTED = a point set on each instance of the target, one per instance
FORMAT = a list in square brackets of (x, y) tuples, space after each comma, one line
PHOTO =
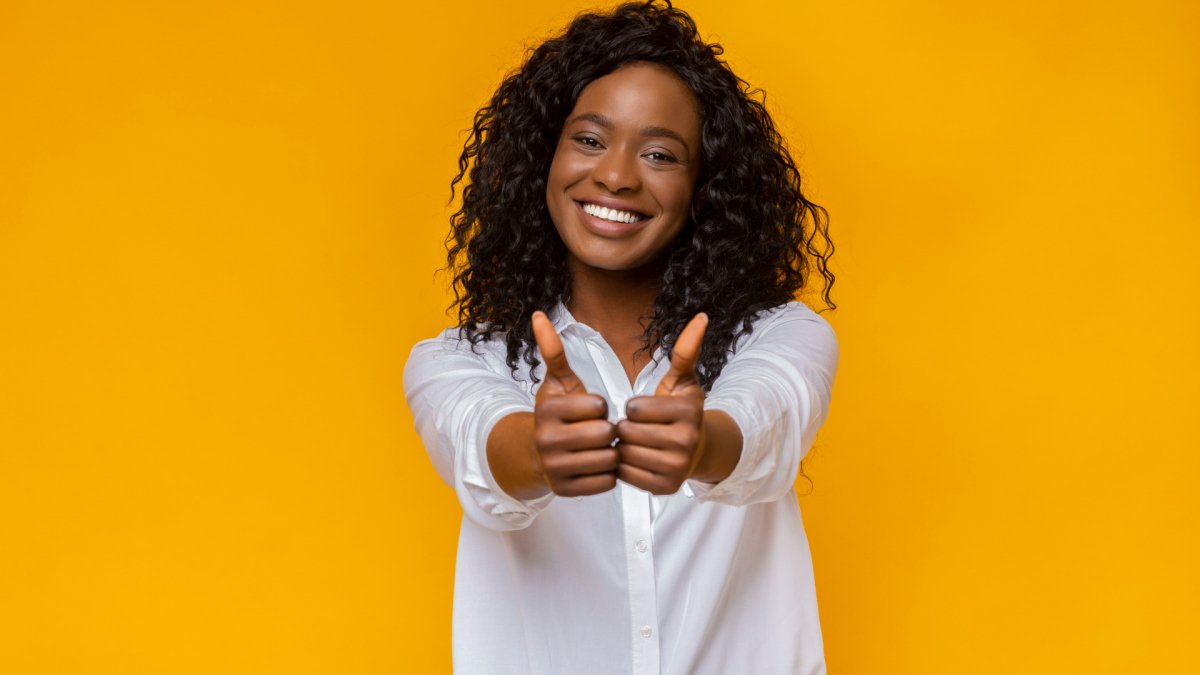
[(662, 438), (572, 434)]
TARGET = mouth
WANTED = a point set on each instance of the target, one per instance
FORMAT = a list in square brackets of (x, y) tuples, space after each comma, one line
[(611, 215)]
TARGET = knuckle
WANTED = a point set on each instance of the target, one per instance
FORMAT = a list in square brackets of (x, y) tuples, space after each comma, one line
[(689, 438), (610, 458), (667, 486), (552, 464), (599, 405), (675, 463), (596, 428), (546, 408), (634, 405), (574, 405), (610, 434), (544, 438), (608, 482)]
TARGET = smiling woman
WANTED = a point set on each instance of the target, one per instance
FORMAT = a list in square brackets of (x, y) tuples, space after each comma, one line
[(625, 403), (620, 186), (747, 204)]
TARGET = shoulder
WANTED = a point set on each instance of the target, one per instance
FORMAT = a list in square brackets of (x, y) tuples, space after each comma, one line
[(795, 328), (453, 341), (451, 351), (794, 318)]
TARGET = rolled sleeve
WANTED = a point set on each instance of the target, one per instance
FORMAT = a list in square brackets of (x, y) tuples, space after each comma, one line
[(776, 388), (456, 400)]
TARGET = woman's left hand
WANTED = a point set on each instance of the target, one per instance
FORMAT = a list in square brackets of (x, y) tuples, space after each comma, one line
[(662, 439)]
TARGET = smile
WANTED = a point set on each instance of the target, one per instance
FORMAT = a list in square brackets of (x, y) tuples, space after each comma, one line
[(613, 215)]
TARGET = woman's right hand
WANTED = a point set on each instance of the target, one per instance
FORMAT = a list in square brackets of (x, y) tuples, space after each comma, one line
[(572, 435)]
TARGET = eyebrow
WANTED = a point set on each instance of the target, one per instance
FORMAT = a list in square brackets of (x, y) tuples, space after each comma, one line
[(649, 131)]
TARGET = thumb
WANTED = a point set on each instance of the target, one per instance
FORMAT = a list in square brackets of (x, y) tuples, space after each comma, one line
[(684, 356), (553, 353)]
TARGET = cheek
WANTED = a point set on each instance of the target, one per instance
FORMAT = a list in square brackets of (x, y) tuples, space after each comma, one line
[(675, 195), (563, 166), (557, 204), (554, 188), (552, 176)]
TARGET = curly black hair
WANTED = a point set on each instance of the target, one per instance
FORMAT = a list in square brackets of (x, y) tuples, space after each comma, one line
[(752, 243)]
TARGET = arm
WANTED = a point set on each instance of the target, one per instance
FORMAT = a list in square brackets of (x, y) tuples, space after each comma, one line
[(513, 458), (456, 401), (776, 389), (503, 450), (722, 448)]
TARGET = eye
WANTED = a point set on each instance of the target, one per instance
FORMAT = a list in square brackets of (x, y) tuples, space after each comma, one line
[(587, 141), (660, 157)]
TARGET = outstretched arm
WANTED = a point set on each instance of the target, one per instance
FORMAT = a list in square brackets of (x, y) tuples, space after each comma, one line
[(504, 451), (565, 445), (744, 442), (457, 397), (777, 389)]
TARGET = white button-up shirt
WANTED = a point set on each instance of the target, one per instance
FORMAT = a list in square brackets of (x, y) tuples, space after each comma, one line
[(716, 578)]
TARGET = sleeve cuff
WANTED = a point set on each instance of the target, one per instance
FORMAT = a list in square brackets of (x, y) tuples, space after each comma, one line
[(485, 501), (730, 489)]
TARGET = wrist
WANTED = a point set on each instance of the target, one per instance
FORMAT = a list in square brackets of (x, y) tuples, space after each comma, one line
[(720, 447), (536, 483), (513, 458)]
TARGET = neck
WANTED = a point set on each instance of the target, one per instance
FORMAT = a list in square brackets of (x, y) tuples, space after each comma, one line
[(614, 302)]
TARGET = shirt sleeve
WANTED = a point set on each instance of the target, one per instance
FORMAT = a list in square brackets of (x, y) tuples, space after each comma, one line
[(777, 388), (456, 400)]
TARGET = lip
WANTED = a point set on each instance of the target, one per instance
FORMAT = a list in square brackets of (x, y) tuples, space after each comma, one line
[(611, 203), (608, 228)]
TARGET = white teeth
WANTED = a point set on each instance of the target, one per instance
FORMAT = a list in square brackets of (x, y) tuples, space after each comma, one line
[(610, 214)]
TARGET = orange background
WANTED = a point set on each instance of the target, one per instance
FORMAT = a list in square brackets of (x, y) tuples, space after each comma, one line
[(218, 229)]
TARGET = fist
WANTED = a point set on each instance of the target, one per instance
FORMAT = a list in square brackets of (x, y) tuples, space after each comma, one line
[(662, 438), (572, 435)]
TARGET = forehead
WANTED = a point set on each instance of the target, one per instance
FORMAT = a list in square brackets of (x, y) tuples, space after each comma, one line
[(639, 94)]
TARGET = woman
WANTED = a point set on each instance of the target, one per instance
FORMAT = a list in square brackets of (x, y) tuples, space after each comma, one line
[(624, 405)]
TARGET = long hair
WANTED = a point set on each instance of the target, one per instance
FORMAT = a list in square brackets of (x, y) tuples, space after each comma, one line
[(752, 243)]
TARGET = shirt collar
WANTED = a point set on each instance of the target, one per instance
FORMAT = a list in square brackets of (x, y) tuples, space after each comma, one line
[(564, 321), (561, 317), (565, 324)]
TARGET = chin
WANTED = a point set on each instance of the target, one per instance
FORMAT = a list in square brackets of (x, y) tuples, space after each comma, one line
[(611, 263)]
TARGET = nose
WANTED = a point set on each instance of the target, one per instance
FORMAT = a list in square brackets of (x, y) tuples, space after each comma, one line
[(617, 170)]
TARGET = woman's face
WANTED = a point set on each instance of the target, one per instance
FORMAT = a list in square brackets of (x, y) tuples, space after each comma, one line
[(621, 182)]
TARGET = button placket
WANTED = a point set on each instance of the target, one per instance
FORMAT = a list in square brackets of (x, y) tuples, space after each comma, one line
[(637, 517), (643, 597)]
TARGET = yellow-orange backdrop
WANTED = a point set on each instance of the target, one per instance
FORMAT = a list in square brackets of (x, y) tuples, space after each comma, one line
[(218, 229)]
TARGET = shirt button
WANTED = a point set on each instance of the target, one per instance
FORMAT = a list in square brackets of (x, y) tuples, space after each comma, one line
[(647, 631), (641, 546)]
